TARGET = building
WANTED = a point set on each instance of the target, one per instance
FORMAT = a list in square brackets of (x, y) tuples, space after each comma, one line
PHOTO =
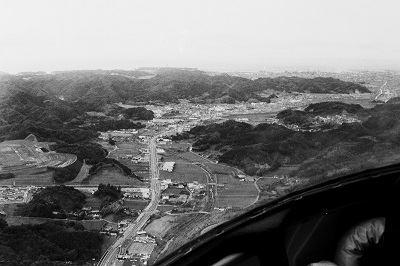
[(136, 192), (168, 166), (160, 151)]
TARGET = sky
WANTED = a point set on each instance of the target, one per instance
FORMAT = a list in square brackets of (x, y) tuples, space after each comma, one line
[(225, 35)]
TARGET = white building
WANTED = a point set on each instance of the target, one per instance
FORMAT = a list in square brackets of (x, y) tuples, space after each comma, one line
[(168, 166)]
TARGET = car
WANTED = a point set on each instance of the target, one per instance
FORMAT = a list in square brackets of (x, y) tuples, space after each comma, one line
[(352, 220)]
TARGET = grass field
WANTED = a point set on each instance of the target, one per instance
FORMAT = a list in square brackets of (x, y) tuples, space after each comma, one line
[(81, 175), (234, 201), (165, 208), (9, 208), (136, 204), (43, 178), (88, 224), (114, 177), (192, 157), (141, 248), (92, 201), (284, 170), (220, 168)]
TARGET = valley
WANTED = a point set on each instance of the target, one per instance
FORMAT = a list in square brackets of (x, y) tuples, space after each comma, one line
[(172, 168)]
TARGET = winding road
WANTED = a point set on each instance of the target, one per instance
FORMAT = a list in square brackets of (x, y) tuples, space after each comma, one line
[(381, 90)]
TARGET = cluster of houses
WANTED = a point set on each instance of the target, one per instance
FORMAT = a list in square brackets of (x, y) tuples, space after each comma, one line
[(11, 194), (144, 156), (334, 119), (118, 135), (179, 192), (136, 193), (138, 256)]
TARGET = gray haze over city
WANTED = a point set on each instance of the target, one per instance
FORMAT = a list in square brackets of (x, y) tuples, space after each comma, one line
[(210, 35)]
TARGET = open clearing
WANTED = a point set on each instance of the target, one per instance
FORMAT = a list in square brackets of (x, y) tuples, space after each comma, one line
[(114, 177), (81, 175), (141, 248), (127, 148), (160, 227)]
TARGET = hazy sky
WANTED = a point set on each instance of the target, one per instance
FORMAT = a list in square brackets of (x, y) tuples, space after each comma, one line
[(219, 35)]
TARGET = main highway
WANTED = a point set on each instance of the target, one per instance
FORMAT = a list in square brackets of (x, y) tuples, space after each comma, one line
[(110, 256)]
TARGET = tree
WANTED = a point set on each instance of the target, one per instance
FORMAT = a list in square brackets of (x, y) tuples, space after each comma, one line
[(3, 224), (111, 141)]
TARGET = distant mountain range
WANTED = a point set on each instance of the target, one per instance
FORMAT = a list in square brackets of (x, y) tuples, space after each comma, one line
[(163, 85)]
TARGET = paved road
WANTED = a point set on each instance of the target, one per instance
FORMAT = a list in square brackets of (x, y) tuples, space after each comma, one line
[(381, 90), (110, 257)]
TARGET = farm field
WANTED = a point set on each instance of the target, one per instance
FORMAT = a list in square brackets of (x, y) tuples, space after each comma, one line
[(192, 157), (234, 201), (114, 177), (185, 172), (235, 193), (176, 146), (140, 169), (220, 168), (128, 148)]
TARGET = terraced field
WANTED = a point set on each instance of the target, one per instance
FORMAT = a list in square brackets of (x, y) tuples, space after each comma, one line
[(28, 161), (19, 155)]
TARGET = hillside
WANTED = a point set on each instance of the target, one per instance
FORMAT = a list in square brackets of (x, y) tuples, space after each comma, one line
[(52, 200), (51, 243), (164, 85), (24, 112), (371, 139)]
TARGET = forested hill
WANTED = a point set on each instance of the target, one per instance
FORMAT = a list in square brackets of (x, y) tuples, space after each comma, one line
[(349, 139), (164, 85)]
